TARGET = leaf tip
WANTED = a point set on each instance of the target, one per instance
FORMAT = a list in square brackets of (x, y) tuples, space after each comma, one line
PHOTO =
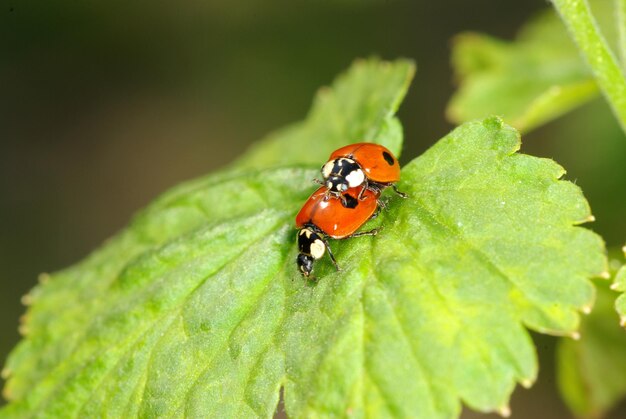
[(27, 299), (526, 383), (504, 411), (624, 250), (493, 122), (43, 277), (6, 373), (22, 328), (586, 309), (605, 275), (6, 393), (575, 335), (614, 286), (622, 321)]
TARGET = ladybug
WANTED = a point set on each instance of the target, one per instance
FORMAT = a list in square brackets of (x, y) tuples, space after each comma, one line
[(368, 165), (324, 217)]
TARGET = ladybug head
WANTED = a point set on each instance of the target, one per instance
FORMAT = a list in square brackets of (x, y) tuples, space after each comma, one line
[(342, 174), (305, 264), (337, 184)]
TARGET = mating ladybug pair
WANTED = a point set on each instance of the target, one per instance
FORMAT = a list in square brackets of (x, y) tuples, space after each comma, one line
[(354, 178)]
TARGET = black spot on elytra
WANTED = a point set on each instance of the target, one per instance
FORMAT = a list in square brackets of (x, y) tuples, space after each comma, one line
[(388, 158), (351, 202)]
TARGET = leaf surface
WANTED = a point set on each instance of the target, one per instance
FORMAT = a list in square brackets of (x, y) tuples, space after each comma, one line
[(197, 308)]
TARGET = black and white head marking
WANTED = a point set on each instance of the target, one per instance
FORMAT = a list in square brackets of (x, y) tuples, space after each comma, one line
[(311, 247), (327, 169), (310, 243), (341, 174)]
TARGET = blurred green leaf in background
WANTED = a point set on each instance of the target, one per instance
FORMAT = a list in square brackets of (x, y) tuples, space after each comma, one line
[(529, 81), (591, 370), (620, 285)]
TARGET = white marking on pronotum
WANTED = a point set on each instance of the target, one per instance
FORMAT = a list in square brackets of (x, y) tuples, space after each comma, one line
[(355, 178), (327, 169), (317, 249)]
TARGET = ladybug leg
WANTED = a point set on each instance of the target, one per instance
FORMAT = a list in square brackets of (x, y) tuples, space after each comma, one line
[(365, 186), (395, 189), (381, 204), (319, 182), (329, 194), (372, 232), (330, 254)]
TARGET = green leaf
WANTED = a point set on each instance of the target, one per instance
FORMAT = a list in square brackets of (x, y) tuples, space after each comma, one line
[(197, 307), (620, 285), (359, 107), (584, 29), (620, 10), (529, 81), (591, 370)]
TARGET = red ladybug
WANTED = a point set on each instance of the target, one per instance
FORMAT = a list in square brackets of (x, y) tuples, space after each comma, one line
[(322, 217), (368, 165)]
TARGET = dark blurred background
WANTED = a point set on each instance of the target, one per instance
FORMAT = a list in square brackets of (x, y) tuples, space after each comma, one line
[(104, 105)]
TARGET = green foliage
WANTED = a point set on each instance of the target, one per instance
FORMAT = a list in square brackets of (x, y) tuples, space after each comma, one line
[(529, 81), (591, 371), (620, 285), (597, 53), (197, 308), (540, 75)]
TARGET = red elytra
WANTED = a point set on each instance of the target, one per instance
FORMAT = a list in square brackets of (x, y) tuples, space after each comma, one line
[(334, 219), (378, 163)]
